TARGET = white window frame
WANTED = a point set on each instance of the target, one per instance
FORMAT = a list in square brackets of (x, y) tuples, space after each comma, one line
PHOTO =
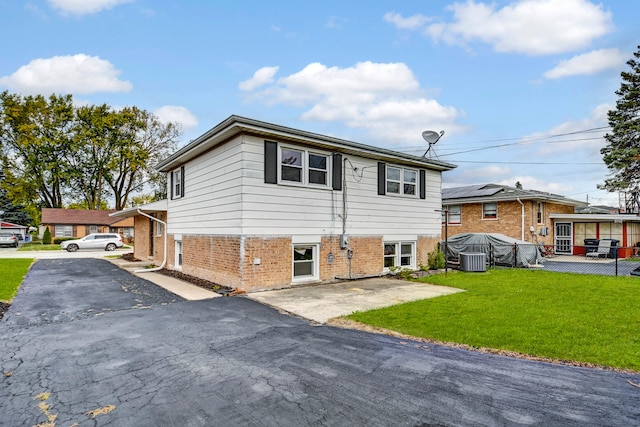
[(540, 212), (178, 255), (454, 214), (177, 183), (64, 231), (315, 264), (159, 225), (305, 168), (397, 256), (402, 181), (486, 213)]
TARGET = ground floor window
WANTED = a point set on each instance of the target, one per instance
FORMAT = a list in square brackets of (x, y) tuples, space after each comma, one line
[(305, 262), (178, 253), (399, 254), (64, 231)]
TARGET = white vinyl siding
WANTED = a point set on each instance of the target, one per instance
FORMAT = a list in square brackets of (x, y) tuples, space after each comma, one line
[(227, 195)]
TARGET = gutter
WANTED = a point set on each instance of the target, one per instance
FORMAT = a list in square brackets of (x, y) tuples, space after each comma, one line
[(164, 261), (522, 217)]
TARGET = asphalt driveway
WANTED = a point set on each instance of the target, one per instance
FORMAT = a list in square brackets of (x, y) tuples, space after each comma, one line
[(86, 343)]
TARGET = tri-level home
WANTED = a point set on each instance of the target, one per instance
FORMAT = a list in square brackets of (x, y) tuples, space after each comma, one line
[(254, 205)]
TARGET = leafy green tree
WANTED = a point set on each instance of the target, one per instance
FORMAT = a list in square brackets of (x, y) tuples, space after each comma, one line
[(140, 142), (35, 134), (622, 153), (54, 154)]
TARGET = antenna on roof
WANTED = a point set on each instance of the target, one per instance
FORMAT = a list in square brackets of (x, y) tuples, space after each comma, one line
[(431, 137)]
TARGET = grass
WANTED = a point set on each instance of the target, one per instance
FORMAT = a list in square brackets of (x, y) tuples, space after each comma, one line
[(38, 246), (13, 271), (585, 318)]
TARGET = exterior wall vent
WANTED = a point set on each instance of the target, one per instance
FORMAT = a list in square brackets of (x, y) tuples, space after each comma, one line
[(472, 261)]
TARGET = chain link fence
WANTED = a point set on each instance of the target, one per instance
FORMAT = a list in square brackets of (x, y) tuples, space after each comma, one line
[(590, 259)]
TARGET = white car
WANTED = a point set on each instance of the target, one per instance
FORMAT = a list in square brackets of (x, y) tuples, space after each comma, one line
[(106, 241)]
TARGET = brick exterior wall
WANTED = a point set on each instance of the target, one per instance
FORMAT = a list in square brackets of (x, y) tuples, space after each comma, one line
[(141, 247), (425, 245), (255, 263), (509, 220)]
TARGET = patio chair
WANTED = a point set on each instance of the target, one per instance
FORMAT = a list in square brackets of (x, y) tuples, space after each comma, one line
[(604, 248)]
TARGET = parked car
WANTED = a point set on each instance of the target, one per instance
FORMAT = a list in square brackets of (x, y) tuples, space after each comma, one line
[(8, 239), (106, 241)]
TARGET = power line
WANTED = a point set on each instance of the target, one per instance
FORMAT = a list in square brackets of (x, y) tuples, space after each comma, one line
[(527, 163)]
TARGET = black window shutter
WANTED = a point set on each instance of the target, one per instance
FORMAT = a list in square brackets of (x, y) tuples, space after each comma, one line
[(382, 178), (182, 181), (336, 178), (270, 162), (171, 184), (423, 184)]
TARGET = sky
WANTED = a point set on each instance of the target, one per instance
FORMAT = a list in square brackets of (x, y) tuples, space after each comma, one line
[(520, 88)]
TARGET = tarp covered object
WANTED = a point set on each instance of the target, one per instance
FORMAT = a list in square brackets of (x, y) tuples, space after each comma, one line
[(499, 246)]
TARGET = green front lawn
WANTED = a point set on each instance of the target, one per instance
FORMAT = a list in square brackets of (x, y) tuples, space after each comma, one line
[(38, 246), (586, 318), (13, 271)]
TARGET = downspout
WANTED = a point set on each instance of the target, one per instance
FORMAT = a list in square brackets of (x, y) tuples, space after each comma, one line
[(522, 217), (164, 261)]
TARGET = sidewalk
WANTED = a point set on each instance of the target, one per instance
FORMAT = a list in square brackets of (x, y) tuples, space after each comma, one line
[(179, 287)]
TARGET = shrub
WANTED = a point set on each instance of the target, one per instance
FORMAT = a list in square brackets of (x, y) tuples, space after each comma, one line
[(46, 238), (436, 259), (59, 240)]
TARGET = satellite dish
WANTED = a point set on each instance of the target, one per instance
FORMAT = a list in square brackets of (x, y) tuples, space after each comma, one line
[(431, 137)]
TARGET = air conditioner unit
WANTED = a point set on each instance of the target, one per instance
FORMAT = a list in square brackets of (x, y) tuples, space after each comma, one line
[(473, 261), (544, 231)]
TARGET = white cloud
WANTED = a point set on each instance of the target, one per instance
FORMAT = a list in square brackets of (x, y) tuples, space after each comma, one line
[(411, 23), (260, 78), (384, 99), (77, 74), (534, 27), (83, 7), (588, 63), (175, 113)]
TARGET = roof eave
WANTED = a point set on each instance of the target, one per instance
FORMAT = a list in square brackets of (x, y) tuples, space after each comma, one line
[(235, 125)]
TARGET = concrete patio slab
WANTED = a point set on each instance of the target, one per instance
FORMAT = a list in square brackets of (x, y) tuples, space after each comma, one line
[(323, 302)]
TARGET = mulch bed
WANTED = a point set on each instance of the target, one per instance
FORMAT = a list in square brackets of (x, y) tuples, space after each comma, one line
[(205, 284)]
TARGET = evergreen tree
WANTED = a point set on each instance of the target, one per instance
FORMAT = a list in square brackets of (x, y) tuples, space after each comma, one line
[(16, 214), (622, 153)]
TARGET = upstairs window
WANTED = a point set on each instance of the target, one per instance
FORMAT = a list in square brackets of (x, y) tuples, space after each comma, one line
[(177, 183), (401, 181), (455, 215), (489, 211), (304, 167)]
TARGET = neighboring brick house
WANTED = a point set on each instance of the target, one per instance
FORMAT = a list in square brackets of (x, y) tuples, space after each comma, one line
[(517, 213), (253, 205), (78, 223)]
